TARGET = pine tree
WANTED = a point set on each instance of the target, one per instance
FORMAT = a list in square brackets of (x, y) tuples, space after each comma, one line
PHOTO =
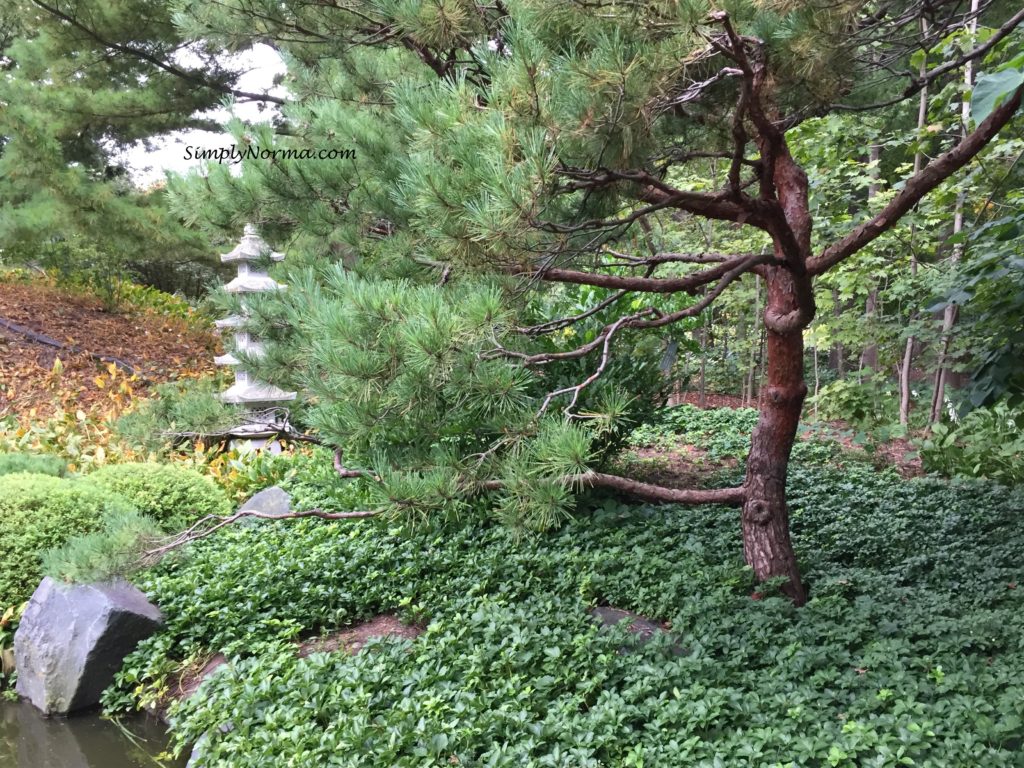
[(512, 156), (81, 81)]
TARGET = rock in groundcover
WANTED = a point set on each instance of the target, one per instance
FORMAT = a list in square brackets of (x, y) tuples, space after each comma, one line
[(72, 640)]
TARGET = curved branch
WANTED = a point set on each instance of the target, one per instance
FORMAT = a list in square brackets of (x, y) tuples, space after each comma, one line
[(605, 356), (686, 283), (339, 467), (658, 195), (213, 523), (657, 494), (917, 186), (660, 494), (695, 309), (564, 322)]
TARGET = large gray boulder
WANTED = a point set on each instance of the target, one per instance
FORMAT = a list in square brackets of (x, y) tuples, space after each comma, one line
[(72, 639), (273, 501)]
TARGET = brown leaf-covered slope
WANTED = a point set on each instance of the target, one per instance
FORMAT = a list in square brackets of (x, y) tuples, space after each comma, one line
[(158, 347)]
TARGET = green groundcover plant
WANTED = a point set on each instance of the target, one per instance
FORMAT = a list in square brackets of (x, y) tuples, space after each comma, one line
[(908, 652)]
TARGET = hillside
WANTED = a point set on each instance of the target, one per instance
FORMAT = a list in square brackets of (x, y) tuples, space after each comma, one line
[(57, 347)]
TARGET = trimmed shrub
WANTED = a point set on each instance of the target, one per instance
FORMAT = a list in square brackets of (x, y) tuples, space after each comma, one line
[(38, 512), (32, 462), (173, 496)]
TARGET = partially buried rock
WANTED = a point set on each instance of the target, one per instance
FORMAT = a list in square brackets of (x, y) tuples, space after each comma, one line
[(272, 501), (72, 639), (641, 627)]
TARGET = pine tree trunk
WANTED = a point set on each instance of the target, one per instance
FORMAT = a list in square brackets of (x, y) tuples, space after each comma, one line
[(789, 309), (766, 543)]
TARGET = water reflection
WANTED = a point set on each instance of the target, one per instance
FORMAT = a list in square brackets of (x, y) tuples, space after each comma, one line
[(29, 740)]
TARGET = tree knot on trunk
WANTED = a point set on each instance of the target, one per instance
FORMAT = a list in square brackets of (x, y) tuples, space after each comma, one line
[(758, 512), (789, 394)]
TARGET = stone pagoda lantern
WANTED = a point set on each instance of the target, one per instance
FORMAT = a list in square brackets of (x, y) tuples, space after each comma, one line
[(267, 418)]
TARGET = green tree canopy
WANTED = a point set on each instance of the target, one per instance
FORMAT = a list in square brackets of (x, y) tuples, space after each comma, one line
[(513, 157)]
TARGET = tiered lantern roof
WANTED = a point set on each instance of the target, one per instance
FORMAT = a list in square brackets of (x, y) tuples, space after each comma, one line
[(247, 390)]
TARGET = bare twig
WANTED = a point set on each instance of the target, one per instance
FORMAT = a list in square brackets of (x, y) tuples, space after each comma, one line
[(576, 389), (213, 523), (339, 467)]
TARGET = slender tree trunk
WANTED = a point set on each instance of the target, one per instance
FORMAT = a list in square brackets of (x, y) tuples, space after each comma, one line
[(908, 351), (950, 314), (766, 543), (837, 358), (908, 361), (702, 383), (869, 357), (817, 383)]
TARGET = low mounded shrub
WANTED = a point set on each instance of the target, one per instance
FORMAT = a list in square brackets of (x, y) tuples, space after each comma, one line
[(988, 442), (172, 496), (38, 512), (31, 462)]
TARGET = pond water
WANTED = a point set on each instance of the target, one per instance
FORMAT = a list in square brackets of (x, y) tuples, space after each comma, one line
[(29, 740)]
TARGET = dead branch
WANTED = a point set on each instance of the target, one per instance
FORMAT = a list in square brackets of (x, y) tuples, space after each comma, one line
[(576, 389), (213, 523), (49, 341)]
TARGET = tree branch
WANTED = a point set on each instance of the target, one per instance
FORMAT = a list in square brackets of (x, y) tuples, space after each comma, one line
[(605, 356), (659, 494), (213, 523), (339, 467), (139, 53), (685, 284), (564, 322), (918, 186), (658, 195)]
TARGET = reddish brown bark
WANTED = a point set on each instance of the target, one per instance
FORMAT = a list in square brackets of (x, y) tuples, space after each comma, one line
[(789, 308), (767, 547)]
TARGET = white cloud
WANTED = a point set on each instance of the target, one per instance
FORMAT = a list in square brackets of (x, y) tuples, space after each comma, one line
[(168, 152)]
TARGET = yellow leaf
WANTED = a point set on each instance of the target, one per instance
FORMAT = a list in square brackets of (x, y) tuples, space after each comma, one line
[(99, 382), (112, 369)]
